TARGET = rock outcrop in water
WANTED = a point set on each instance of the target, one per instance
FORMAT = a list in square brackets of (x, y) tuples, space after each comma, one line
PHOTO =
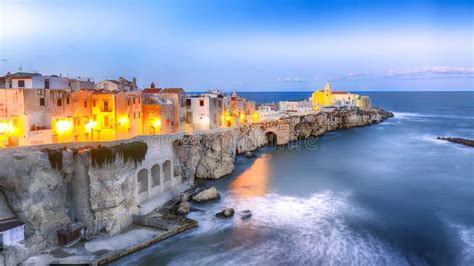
[(465, 142)]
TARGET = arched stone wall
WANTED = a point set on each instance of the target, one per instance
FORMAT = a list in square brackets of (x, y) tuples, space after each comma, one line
[(167, 170), (142, 179), (272, 138), (155, 175)]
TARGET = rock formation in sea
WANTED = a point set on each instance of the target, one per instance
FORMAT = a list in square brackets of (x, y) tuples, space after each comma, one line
[(465, 142)]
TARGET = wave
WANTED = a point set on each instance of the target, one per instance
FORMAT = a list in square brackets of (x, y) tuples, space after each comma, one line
[(415, 116), (287, 230), (465, 236)]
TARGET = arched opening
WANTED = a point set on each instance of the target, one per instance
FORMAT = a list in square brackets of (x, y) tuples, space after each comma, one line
[(155, 175), (142, 179), (151, 131), (167, 170), (271, 138)]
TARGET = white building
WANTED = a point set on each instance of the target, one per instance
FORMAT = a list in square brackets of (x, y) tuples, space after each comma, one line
[(204, 111), (266, 113), (295, 106), (23, 80), (11, 232), (344, 100)]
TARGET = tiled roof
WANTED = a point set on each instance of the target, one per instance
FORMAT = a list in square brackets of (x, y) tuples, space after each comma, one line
[(173, 90), (151, 90)]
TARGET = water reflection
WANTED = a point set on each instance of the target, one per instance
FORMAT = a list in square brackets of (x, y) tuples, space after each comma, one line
[(254, 181)]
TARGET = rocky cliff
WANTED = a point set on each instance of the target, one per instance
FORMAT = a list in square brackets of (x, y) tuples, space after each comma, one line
[(211, 155)]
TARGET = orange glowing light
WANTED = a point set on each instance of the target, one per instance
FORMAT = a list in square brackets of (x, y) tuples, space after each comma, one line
[(91, 125), (157, 123), (63, 126), (124, 121)]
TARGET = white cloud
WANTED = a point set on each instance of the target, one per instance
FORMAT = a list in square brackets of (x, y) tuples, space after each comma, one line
[(292, 80), (427, 72)]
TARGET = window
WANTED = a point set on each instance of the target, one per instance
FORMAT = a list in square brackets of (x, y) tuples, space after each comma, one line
[(201, 102), (59, 102), (85, 104), (67, 100), (42, 102), (94, 102), (106, 121), (133, 100), (46, 83), (21, 84), (188, 102), (189, 117), (106, 106)]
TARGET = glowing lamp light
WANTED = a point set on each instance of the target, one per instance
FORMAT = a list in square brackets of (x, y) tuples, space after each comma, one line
[(3, 128), (63, 126), (157, 123), (124, 120), (91, 125)]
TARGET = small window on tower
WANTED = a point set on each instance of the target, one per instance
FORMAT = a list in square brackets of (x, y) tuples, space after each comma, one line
[(201, 102)]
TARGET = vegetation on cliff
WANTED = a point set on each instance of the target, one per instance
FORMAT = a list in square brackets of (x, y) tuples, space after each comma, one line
[(55, 157), (133, 151)]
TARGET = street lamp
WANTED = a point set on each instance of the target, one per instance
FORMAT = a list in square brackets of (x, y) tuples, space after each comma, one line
[(90, 127)]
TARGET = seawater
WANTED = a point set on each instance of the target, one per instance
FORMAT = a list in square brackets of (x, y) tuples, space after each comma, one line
[(387, 194)]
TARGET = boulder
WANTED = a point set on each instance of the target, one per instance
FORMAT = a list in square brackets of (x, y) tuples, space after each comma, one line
[(249, 154), (244, 215), (183, 208), (226, 213), (206, 194), (184, 197)]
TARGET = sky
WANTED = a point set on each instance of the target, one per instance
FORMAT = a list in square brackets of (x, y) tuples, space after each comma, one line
[(246, 45)]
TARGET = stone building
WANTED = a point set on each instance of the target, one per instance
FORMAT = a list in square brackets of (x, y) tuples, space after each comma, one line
[(205, 111), (159, 115), (238, 110), (178, 97), (121, 84)]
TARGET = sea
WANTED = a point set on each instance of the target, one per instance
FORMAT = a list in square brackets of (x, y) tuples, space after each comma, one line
[(386, 194)]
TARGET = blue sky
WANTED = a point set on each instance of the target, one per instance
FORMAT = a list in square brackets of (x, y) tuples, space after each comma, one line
[(248, 45)]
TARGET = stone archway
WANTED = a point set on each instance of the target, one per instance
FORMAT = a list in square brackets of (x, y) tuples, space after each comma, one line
[(142, 179), (271, 138), (155, 175), (167, 170)]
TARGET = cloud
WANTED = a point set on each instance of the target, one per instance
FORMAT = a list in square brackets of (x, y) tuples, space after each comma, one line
[(435, 70), (427, 72), (292, 80)]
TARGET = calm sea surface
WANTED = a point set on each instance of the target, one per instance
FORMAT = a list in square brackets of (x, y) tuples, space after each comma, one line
[(388, 194)]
